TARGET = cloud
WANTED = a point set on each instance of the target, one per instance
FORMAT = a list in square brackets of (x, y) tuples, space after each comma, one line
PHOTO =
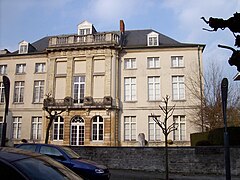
[(189, 23)]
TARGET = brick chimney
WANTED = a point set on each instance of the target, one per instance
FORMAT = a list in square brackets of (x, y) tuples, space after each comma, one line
[(122, 26)]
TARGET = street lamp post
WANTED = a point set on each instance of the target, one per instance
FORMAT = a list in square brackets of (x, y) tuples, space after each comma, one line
[(224, 89)]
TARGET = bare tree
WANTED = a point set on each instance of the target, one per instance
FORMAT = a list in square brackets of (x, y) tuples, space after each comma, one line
[(52, 115), (208, 112), (168, 112)]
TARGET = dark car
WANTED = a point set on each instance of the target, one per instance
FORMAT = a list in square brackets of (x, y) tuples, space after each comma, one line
[(85, 168), (20, 164)]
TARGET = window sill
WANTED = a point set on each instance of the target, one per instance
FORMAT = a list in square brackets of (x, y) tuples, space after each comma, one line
[(20, 73), (154, 101), (40, 72), (18, 102), (154, 68), (130, 68), (130, 101), (37, 102), (180, 67), (181, 100)]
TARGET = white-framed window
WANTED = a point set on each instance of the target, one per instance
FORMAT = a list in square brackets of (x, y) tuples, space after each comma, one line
[(153, 39), (154, 88), (38, 92), (40, 67), (97, 128), (20, 68), (18, 91), (130, 63), (58, 127), (2, 93), (84, 31), (177, 61), (3, 69), (78, 89), (130, 91), (77, 131), (154, 130), (130, 125), (23, 49), (178, 88), (180, 133), (17, 125), (36, 128), (153, 62)]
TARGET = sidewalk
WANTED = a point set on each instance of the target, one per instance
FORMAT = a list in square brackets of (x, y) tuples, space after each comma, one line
[(145, 175)]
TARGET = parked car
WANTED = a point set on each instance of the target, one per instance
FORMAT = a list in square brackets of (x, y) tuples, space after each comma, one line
[(21, 165), (85, 168)]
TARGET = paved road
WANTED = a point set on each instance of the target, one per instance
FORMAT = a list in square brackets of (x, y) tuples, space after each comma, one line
[(142, 175)]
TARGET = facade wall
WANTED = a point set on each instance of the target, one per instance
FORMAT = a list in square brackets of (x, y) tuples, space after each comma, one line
[(142, 107), (96, 67), (27, 109), (99, 63)]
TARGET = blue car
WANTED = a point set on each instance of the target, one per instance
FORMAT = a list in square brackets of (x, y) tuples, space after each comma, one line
[(85, 168), (25, 165)]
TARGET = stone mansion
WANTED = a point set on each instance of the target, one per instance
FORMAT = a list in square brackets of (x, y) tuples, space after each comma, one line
[(108, 85)]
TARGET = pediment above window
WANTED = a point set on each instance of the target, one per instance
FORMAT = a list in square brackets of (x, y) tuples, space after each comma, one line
[(23, 47), (85, 28), (153, 39)]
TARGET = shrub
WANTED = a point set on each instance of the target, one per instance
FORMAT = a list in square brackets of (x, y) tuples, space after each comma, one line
[(197, 137), (203, 143), (216, 136)]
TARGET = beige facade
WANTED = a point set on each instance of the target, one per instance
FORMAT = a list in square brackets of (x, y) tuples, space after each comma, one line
[(142, 107), (106, 85), (24, 111)]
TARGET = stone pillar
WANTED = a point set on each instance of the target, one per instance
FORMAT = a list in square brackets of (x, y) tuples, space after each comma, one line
[(114, 128), (108, 72), (69, 76), (67, 129), (89, 76), (87, 122), (50, 77)]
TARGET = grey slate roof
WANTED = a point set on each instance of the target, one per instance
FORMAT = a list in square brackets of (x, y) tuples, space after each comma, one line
[(139, 38), (133, 39)]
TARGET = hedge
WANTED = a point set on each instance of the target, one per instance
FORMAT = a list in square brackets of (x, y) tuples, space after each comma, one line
[(215, 137)]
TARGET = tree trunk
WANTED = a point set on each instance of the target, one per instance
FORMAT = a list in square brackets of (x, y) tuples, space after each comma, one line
[(48, 129), (166, 156)]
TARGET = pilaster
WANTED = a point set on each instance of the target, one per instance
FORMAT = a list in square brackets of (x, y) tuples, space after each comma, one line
[(108, 72), (89, 75), (69, 76), (50, 77)]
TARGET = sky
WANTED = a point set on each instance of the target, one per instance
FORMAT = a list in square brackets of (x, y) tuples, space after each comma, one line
[(31, 20)]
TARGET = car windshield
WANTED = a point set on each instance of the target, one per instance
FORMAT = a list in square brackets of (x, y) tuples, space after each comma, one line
[(71, 154), (44, 168)]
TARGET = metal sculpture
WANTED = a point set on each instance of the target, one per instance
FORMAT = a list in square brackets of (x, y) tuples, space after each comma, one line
[(233, 24)]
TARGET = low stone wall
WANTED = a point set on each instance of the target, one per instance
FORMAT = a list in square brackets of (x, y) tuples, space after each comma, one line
[(182, 160)]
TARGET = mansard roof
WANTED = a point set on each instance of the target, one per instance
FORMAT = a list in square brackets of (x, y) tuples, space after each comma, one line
[(133, 39), (138, 39)]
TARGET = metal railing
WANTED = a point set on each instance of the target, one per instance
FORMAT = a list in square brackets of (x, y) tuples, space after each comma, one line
[(69, 102)]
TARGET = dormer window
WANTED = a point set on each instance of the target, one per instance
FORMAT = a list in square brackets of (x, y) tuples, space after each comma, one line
[(152, 39), (23, 47), (85, 28)]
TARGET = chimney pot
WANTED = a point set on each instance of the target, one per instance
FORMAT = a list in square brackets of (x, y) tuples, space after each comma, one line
[(122, 26)]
